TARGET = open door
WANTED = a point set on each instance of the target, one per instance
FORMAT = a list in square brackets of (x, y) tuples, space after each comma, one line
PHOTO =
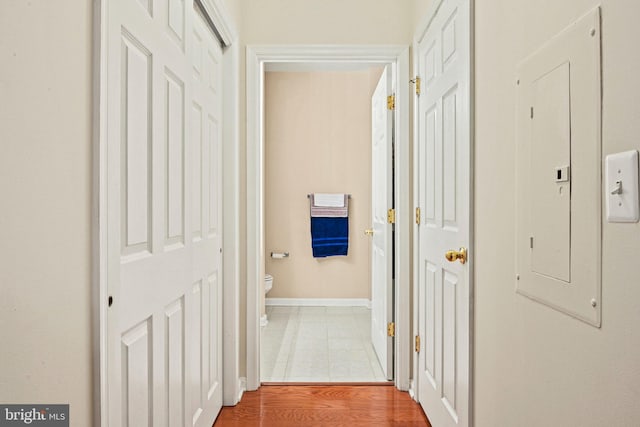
[(382, 231), (444, 159)]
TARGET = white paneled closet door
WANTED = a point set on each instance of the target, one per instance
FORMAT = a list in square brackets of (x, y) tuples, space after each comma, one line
[(164, 365)]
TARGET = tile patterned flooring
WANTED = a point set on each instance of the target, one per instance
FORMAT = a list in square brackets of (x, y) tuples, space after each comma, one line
[(318, 344)]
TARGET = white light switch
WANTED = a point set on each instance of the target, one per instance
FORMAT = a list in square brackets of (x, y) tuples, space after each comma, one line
[(622, 187)]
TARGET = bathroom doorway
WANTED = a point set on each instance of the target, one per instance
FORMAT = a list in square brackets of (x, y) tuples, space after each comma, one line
[(345, 310), (316, 320)]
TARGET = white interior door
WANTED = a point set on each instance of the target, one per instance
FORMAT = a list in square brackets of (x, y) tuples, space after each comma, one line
[(163, 231), (382, 200), (444, 193)]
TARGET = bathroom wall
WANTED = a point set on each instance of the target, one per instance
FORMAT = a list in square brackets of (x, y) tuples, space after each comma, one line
[(317, 139)]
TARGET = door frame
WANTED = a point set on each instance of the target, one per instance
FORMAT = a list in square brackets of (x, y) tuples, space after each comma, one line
[(418, 36), (256, 58), (218, 17)]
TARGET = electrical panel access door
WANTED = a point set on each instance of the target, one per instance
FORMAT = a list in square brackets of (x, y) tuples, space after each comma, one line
[(558, 239)]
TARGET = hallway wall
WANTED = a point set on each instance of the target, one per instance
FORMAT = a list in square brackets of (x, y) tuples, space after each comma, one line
[(318, 139), (45, 221), (534, 365)]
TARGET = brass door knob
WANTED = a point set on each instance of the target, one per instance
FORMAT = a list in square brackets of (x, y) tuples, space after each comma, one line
[(369, 231), (460, 255)]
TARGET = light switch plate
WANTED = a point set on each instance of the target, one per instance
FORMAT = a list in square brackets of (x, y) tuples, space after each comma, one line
[(622, 187)]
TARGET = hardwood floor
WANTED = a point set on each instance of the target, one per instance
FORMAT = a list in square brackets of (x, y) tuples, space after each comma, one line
[(324, 405)]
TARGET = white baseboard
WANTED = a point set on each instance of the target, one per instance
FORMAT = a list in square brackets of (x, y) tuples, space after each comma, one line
[(320, 302), (412, 390), (242, 387)]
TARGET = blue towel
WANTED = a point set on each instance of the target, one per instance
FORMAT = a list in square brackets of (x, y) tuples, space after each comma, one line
[(329, 236)]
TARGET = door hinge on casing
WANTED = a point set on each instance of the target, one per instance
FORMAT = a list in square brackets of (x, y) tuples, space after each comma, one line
[(417, 344), (391, 102), (391, 216), (418, 216), (391, 329), (417, 83)]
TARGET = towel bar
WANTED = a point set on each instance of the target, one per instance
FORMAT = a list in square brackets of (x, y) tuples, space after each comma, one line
[(309, 196)]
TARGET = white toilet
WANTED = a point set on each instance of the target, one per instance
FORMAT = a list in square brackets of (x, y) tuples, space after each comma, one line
[(268, 284)]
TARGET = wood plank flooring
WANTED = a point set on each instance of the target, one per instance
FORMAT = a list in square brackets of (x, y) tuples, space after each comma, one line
[(322, 405)]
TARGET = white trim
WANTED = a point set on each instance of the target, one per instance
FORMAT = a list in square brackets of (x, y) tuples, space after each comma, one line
[(412, 390), (255, 247), (402, 205), (274, 67), (99, 216), (319, 302), (242, 387), (231, 226), (416, 229), (472, 240), (257, 57), (375, 54), (221, 20)]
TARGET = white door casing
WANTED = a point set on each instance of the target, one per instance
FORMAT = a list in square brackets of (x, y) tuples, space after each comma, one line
[(382, 239), (256, 58), (444, 162), (163, 202)]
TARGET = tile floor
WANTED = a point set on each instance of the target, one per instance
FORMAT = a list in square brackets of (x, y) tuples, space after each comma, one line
[(318, 344)]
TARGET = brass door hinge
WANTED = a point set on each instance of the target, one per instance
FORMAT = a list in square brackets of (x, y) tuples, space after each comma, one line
[(417, 344), (391, 329), (391, 102), (418, 216), (417, 83), (391, 216)]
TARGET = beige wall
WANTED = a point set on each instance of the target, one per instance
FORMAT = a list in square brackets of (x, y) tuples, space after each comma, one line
[(45, 220), (533, 365), (420, 9), (317, 139), (327, 22)]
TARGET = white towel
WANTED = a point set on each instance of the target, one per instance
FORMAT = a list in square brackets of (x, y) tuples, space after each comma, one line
[(334, 200)]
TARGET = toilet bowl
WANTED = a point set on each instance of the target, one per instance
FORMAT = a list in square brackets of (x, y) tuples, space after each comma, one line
[(268, 284)]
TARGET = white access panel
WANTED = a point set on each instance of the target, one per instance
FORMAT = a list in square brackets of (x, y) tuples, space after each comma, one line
[(558, 163), (550, 240)]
